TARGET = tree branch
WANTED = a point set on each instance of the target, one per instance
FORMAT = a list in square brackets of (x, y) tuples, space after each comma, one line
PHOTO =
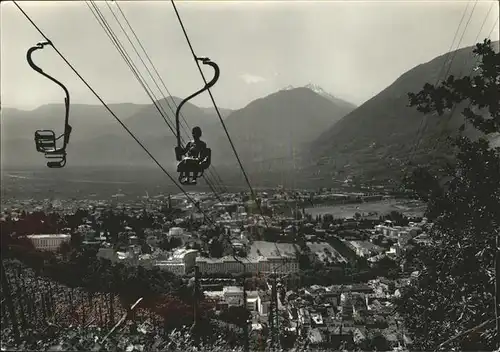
[(124, 317), (466, 332)]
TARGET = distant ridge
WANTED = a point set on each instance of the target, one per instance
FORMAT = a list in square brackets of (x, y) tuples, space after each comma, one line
[(278, 126), (319, 90), (274, 126), (374, 140)]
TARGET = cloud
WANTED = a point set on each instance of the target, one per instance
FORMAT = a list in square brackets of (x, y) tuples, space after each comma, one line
[(251, 79)]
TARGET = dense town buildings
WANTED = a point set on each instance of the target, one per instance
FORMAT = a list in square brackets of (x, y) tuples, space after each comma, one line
[(170, 234)]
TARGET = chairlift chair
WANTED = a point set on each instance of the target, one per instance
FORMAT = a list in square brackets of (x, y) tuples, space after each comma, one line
[(191, 168), (45, 140)]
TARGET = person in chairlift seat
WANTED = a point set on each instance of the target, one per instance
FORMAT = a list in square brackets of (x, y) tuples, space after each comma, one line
[(194, 151)]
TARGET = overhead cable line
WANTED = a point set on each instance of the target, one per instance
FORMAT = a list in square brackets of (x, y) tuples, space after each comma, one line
[(460, 40), (139, 77), (196, 204), (484, 22), (207, 179), (119, 46), (454, 54), (472, 68), (423, 121), (228, 136), (185, 125), (218, 112)]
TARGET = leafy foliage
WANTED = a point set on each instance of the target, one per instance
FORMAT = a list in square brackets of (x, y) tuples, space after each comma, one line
[(235, 315), (482, 91), (455, 287), (57, 317)]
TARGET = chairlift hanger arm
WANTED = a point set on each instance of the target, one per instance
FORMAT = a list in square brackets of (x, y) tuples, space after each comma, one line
[(205, 61)]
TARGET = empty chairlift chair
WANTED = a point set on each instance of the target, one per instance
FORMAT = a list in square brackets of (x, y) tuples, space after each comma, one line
[(45, 140)]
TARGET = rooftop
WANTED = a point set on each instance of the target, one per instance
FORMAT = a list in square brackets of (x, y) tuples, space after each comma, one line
[(56, 235), (271, 249), (232, 289)]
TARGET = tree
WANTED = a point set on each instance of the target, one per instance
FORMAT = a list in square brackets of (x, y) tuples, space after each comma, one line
[(237, 315), (299, 215), (328, 218), (455, 289), (387, 267), (64, 248), (216, 248), (76, 240), (398, 218), (169, 243)]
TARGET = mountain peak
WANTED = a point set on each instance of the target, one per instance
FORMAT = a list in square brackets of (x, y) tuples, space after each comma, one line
[(317, 89), (320, 91), (313, 87), (289, 87)]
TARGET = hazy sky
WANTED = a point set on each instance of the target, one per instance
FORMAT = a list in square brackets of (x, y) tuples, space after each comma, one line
[(351, 49)]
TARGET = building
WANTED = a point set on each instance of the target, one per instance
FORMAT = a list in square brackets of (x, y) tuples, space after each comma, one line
[(263, 303), (397, 232), (364, 248), (253, 302), (175, 232), (233, 296), (228, 264), (50, 242), (324, 252), (180, 262)]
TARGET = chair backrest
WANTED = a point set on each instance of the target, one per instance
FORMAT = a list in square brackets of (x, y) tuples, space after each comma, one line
[(178, 153), (207, 156), (44, 134), (45, 140)]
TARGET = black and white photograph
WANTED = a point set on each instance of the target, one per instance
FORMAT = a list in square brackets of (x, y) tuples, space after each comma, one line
[(250, 175)]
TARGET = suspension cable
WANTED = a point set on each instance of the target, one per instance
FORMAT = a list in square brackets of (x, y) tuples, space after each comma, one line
[(218, 112), (185, 125), (460, 40), (207, 179), (447, 121), (423, 121), (119, 46), (453, 55), (196, 204)]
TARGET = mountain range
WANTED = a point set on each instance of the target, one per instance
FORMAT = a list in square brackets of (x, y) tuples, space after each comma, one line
[(295, 134), (277, 126), (377, 139), (97, 139), (268, 128)]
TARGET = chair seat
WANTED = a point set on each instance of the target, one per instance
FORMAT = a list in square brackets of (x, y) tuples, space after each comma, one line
[(189, 165), (191, 168)]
